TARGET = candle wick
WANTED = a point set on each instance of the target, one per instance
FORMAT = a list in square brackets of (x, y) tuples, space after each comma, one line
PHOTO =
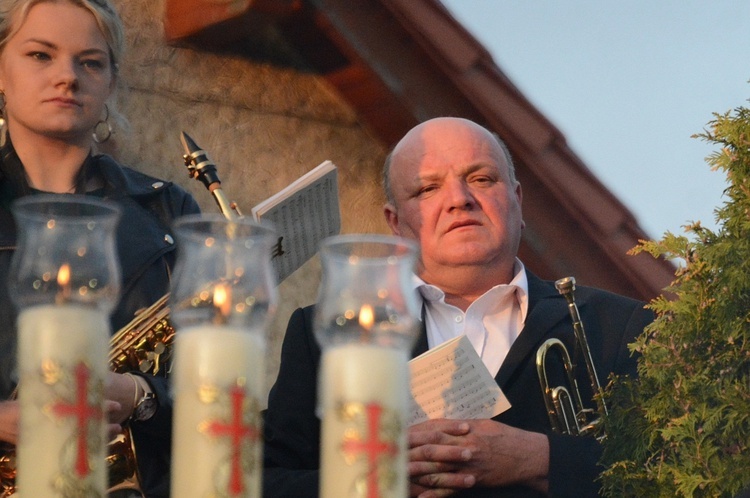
[(63, 297), (220, 318)]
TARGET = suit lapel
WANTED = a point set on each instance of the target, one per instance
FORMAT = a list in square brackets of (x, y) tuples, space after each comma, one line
[(546, 308), (420, 346)]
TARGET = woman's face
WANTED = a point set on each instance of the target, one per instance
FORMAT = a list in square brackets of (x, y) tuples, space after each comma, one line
[(56, 73)]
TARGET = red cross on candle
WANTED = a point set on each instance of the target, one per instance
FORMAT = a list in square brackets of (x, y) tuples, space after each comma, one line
[(373, 447), (237, 431), (83, 412)]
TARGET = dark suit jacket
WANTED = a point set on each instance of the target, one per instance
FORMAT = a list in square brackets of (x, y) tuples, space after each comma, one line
[(146, 260), (611, 322)]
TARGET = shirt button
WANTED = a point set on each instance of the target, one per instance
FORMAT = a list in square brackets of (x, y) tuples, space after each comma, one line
[(157, 185), (459, 319), (168, 239)]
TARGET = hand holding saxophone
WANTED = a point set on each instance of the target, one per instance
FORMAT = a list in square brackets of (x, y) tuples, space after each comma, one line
[(125, 392), (9, 421), (9, 415)]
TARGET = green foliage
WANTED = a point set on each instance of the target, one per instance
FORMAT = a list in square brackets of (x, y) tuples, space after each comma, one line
[(683, 427)]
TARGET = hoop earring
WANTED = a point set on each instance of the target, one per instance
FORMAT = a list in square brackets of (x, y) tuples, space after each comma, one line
[(3, 121), (2, 112), (102, 129)]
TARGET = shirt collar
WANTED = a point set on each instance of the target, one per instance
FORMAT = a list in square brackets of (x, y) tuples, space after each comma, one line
[(428, 292)]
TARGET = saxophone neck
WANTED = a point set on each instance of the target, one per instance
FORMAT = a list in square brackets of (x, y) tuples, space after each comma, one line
[(201, 168)]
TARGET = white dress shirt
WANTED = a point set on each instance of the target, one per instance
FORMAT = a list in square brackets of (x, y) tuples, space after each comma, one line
[(491, 323)]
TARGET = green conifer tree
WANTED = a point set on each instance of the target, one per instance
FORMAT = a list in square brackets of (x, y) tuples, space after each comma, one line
[(683, 427)]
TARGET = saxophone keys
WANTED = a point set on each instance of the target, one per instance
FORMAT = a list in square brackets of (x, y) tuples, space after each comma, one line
[(146, 364)]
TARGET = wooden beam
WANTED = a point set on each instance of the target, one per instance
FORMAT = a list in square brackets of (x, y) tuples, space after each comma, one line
[(186, 18)]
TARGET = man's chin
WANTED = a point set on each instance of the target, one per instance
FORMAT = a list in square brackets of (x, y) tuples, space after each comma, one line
[(469, 255)]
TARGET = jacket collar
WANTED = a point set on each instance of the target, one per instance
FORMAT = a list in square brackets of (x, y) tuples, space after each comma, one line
[(546, 308), (119, 182)]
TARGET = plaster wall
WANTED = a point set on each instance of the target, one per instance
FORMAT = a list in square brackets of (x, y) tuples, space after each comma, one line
[(263, 127)]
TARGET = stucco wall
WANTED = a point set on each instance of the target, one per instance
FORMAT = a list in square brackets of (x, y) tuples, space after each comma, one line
[(263, 127)]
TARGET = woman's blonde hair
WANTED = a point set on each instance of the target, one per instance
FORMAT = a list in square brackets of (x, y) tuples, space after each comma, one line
[(14, 12)]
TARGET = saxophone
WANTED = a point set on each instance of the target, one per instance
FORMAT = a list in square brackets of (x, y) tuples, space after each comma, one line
[(144, 345)]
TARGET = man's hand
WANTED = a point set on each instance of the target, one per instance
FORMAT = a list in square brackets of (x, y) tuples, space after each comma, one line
[(449, 455), (435, 455)]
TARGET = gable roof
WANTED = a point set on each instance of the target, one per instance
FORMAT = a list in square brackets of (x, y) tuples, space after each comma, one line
[(400, 62)]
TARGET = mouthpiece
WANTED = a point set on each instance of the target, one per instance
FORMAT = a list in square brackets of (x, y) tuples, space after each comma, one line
[(202, 168), (566, 285), (199, 165)]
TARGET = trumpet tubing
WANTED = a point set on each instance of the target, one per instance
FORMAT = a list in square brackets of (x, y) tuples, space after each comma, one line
[(564, 405)]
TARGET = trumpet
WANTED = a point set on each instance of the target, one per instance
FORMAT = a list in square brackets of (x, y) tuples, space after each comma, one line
[(564, 406)]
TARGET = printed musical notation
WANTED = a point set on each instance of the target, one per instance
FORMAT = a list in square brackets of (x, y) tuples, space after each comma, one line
[(450, 381), (303, 213)]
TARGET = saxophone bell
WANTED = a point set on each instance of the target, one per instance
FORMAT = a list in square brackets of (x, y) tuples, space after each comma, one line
[(563, 403), (122, 466)]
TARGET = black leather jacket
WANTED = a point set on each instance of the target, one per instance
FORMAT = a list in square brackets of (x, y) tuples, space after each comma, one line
[(145, 246)]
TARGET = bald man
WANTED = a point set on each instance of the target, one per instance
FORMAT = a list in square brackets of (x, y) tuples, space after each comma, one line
[(450, 186)]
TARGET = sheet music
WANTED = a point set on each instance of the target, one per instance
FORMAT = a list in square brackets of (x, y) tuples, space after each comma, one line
[(450, 381), (304, 213)]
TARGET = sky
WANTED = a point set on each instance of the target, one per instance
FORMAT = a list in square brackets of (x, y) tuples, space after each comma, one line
[(628, 83)]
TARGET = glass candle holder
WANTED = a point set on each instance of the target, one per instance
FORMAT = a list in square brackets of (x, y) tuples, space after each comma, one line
[(366, 320), (65, 280), (223, 297)]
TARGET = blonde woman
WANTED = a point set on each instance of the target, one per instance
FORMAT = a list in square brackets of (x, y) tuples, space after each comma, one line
[(58, 71)]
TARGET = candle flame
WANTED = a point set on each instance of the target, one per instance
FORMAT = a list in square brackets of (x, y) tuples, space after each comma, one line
[(366, 316), (63, 275), (223, 299), (63, 280)]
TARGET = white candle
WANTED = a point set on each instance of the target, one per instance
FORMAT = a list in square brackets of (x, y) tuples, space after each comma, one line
[(218, 379), (363, 398), (62, 360)]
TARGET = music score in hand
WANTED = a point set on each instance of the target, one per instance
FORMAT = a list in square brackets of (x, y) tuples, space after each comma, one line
[(450, 381)]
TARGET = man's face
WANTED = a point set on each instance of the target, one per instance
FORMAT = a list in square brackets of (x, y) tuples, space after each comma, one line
[(453, 194)]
